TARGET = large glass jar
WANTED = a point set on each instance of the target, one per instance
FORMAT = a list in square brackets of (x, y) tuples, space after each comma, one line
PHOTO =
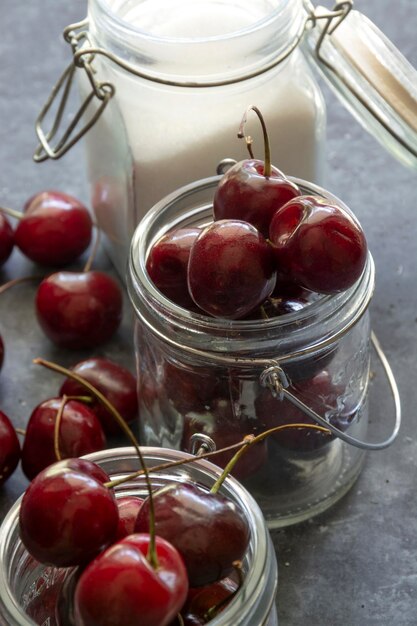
[(28, 590), (202, 374)]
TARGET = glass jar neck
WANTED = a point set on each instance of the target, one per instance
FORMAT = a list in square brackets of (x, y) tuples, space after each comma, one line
[(198, 41)]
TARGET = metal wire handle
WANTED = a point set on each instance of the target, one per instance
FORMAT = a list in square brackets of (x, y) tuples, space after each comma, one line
[(84, 54), (275, 380)]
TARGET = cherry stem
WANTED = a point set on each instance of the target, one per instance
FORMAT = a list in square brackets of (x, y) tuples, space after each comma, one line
[(241, 135), (206, 455), (57, 426), (21, 431), (18, 281), (93, 252), (250, 440), (152, 557), (11, 212)]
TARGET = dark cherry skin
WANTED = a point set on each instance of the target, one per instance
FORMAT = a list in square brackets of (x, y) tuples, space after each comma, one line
[(231, 269), (1, 352), (80, 433), (9, 448), (167, 265), (245, 193), (121, 587), (128, 511), (275, 307), (319, 393), (67, 516), (114, 381), (6, 238), (318, 245), (208, 530), (79, 310), (55, 229), (204, 603), (191, 389)]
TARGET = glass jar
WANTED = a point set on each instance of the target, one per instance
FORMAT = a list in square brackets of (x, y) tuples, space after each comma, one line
[(165, 83), (208, 375), (28, 588)]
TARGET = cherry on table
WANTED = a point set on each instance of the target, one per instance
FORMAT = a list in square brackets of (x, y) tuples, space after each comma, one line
[(7, 238), (167, 265), (67, 516), (79, 310), (1, 352), (231, 269), (55, 228), (114, 381), (9, 448), (209, 530), (80, 433), (318, 245), (121, 587)]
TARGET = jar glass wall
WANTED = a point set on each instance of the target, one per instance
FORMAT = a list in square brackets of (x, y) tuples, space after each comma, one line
[(29, 589), (200, 70), (201, 374)]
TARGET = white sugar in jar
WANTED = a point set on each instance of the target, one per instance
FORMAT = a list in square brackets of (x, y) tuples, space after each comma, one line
[(201, 64)]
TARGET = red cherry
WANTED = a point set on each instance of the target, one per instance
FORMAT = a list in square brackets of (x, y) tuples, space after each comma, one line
[(121, 587), (6, 239), (320, 394), (202, 600), (128, 511), (208, 530), (167, 265), (245, 193), (79, 309), (80, 433), (190, 389), (9, 448), (86, 467), (67, 516), (54, 229), (114, 381), (231, 269), (318, 245)]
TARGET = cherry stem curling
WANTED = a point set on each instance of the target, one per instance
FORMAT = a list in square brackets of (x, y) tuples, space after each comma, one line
[(93, 252), (151, 556), (18, 281), (249, 141), (11, 212), (59, 416)]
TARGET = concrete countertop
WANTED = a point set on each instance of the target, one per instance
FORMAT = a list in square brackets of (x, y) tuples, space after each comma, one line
[(355, 565)]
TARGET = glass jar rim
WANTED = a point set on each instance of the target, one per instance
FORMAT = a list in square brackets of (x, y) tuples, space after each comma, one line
[(278, 14), (259, 580), (140, 285)]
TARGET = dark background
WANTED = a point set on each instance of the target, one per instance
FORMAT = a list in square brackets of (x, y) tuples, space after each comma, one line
[(356, 564)]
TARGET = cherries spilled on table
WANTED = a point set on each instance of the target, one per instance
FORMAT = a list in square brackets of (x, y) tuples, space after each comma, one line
[(7, 239), (9, 448)]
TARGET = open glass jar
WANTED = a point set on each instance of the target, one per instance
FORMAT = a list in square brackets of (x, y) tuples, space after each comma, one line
[(28, 590), (164, 84), (217, 377)]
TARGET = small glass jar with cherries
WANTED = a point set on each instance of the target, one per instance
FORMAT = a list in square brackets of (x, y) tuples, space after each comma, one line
[(251, 293)]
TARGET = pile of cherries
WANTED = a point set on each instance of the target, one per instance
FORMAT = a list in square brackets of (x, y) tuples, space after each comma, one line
[(75, 309)]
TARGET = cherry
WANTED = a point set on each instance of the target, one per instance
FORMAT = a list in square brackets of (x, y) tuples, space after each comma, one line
[(9, 448), (167, 265), (190, 389), (114, 381), (253, 190), (318, 245), (54, 229), (128, 511), (67, 516), (1, 352), (79, 309), (275, 307), (208, 530), (231, 269), (204, 603), (319, 393), (121, 587), (6, 239), (80, 433), (247, 193)]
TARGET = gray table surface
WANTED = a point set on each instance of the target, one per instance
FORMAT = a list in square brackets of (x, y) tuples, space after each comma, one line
[(356, 564)]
